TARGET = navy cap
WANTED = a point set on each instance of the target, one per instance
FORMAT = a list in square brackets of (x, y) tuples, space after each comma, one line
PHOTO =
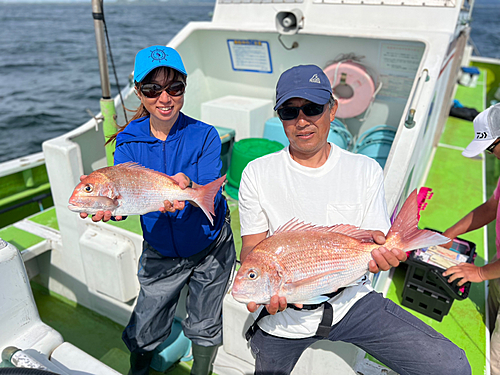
[(303, 81), (152, 57)]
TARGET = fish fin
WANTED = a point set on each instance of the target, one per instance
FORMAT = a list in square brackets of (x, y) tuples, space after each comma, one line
[(404, 233), (204, 196), (130, 164), (346, 229), (312, 279)]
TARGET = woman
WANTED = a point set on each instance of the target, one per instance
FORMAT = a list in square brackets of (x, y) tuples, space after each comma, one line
[(180, 246)]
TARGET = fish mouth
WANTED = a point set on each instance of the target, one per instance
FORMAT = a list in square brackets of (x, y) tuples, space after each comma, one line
[(74, 208)]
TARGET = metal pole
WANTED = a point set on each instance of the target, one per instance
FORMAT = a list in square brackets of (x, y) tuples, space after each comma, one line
[(107, 104), (101, 48)]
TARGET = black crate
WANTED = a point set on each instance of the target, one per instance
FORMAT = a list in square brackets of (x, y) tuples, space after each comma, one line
[(427, 291)]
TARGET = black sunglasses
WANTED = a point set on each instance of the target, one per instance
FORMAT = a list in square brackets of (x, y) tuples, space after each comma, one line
[(309, 109), (492, 146), (154, 90)]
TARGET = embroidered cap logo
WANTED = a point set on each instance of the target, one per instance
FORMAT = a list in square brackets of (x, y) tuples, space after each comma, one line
[(158, 55), (315, 79)]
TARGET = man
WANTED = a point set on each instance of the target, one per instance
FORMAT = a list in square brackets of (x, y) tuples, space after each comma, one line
[(487, 133), (317, 182)]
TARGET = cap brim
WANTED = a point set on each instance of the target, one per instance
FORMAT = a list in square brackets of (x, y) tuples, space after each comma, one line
[(321, 96), (476, 147)]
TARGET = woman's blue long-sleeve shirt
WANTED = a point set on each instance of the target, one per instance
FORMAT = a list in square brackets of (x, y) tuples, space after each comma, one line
[(193, 148)]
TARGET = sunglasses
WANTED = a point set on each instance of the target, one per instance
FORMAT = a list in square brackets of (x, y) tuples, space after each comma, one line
[(492, 146), (154, 90), (309, 109)]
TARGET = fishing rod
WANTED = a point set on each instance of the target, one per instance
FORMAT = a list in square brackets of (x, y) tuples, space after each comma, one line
[(107, 104)]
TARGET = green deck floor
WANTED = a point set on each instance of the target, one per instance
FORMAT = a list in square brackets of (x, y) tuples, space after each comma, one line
[(457, 184)]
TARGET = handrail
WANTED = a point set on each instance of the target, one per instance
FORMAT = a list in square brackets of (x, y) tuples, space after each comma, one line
[(410, 118)]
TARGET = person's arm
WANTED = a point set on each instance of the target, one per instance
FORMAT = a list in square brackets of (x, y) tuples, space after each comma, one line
[(249, 242), (477, 218)]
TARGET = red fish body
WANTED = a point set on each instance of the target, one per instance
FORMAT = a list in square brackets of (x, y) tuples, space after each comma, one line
[(130, 189), (302, 261)]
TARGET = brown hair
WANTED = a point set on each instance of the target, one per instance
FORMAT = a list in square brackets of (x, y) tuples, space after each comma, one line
[(141, 111)]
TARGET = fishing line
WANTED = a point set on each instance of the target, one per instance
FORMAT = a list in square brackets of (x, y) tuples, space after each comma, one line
[(113, 62)]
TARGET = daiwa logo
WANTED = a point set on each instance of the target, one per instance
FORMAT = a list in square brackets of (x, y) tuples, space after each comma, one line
[(315, 79), (481, 135)]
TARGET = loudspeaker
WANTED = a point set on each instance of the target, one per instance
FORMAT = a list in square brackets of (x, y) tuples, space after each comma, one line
[(289, 22)]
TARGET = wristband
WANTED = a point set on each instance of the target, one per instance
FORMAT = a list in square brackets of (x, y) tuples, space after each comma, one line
[(190, 185)]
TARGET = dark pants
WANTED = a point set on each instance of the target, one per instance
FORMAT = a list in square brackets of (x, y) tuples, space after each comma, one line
[(381, 328), (161, 278)]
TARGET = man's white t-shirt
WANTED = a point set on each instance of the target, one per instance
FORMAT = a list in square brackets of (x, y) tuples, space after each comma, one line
[(347, 189)]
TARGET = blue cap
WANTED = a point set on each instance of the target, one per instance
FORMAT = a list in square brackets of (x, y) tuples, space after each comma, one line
[(152, 57), (303, 81)]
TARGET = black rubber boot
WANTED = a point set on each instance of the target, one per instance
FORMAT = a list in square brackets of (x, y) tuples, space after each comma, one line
[(139, 363), (203, 359)]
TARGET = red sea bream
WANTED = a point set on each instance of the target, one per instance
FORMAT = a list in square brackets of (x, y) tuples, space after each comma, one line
[(302, 261), (130, 189)]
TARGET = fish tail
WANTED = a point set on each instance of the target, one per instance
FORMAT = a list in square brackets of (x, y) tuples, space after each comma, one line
[(204, 196), (404, 233)]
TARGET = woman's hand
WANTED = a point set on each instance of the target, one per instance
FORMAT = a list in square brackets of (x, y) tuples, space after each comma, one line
[(176, 205)]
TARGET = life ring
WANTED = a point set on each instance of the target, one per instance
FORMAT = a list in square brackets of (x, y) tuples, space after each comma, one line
[(352, 86)]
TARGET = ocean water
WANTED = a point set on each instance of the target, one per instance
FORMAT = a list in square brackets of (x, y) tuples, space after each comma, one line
[(49, 74)]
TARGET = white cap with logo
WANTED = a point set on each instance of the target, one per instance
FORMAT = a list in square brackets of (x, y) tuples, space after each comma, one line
[(486, 129)]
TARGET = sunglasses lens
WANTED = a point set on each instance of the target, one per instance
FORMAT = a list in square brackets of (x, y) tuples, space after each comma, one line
[(288, 113), (151, 90), (313, 109), (176, 89)]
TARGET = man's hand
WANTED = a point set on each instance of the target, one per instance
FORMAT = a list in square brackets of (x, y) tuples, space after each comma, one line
[(383, 258), (276, 304), (466, 271)]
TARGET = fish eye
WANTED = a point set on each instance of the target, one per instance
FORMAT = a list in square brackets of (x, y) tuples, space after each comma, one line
[(88, 188), (252, 274)]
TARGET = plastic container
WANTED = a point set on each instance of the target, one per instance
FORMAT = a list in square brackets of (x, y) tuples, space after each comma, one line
[(273, 130), (244, 151), (376, 143), (339, 135), (427, 291), (176, 347), (227, 140)]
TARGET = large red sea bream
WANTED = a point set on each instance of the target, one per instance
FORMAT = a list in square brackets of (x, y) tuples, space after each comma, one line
[(130, 189), (303, 261)]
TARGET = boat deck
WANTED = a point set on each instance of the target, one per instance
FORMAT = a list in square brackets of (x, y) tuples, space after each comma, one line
[(457, 183), (455, 194)]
